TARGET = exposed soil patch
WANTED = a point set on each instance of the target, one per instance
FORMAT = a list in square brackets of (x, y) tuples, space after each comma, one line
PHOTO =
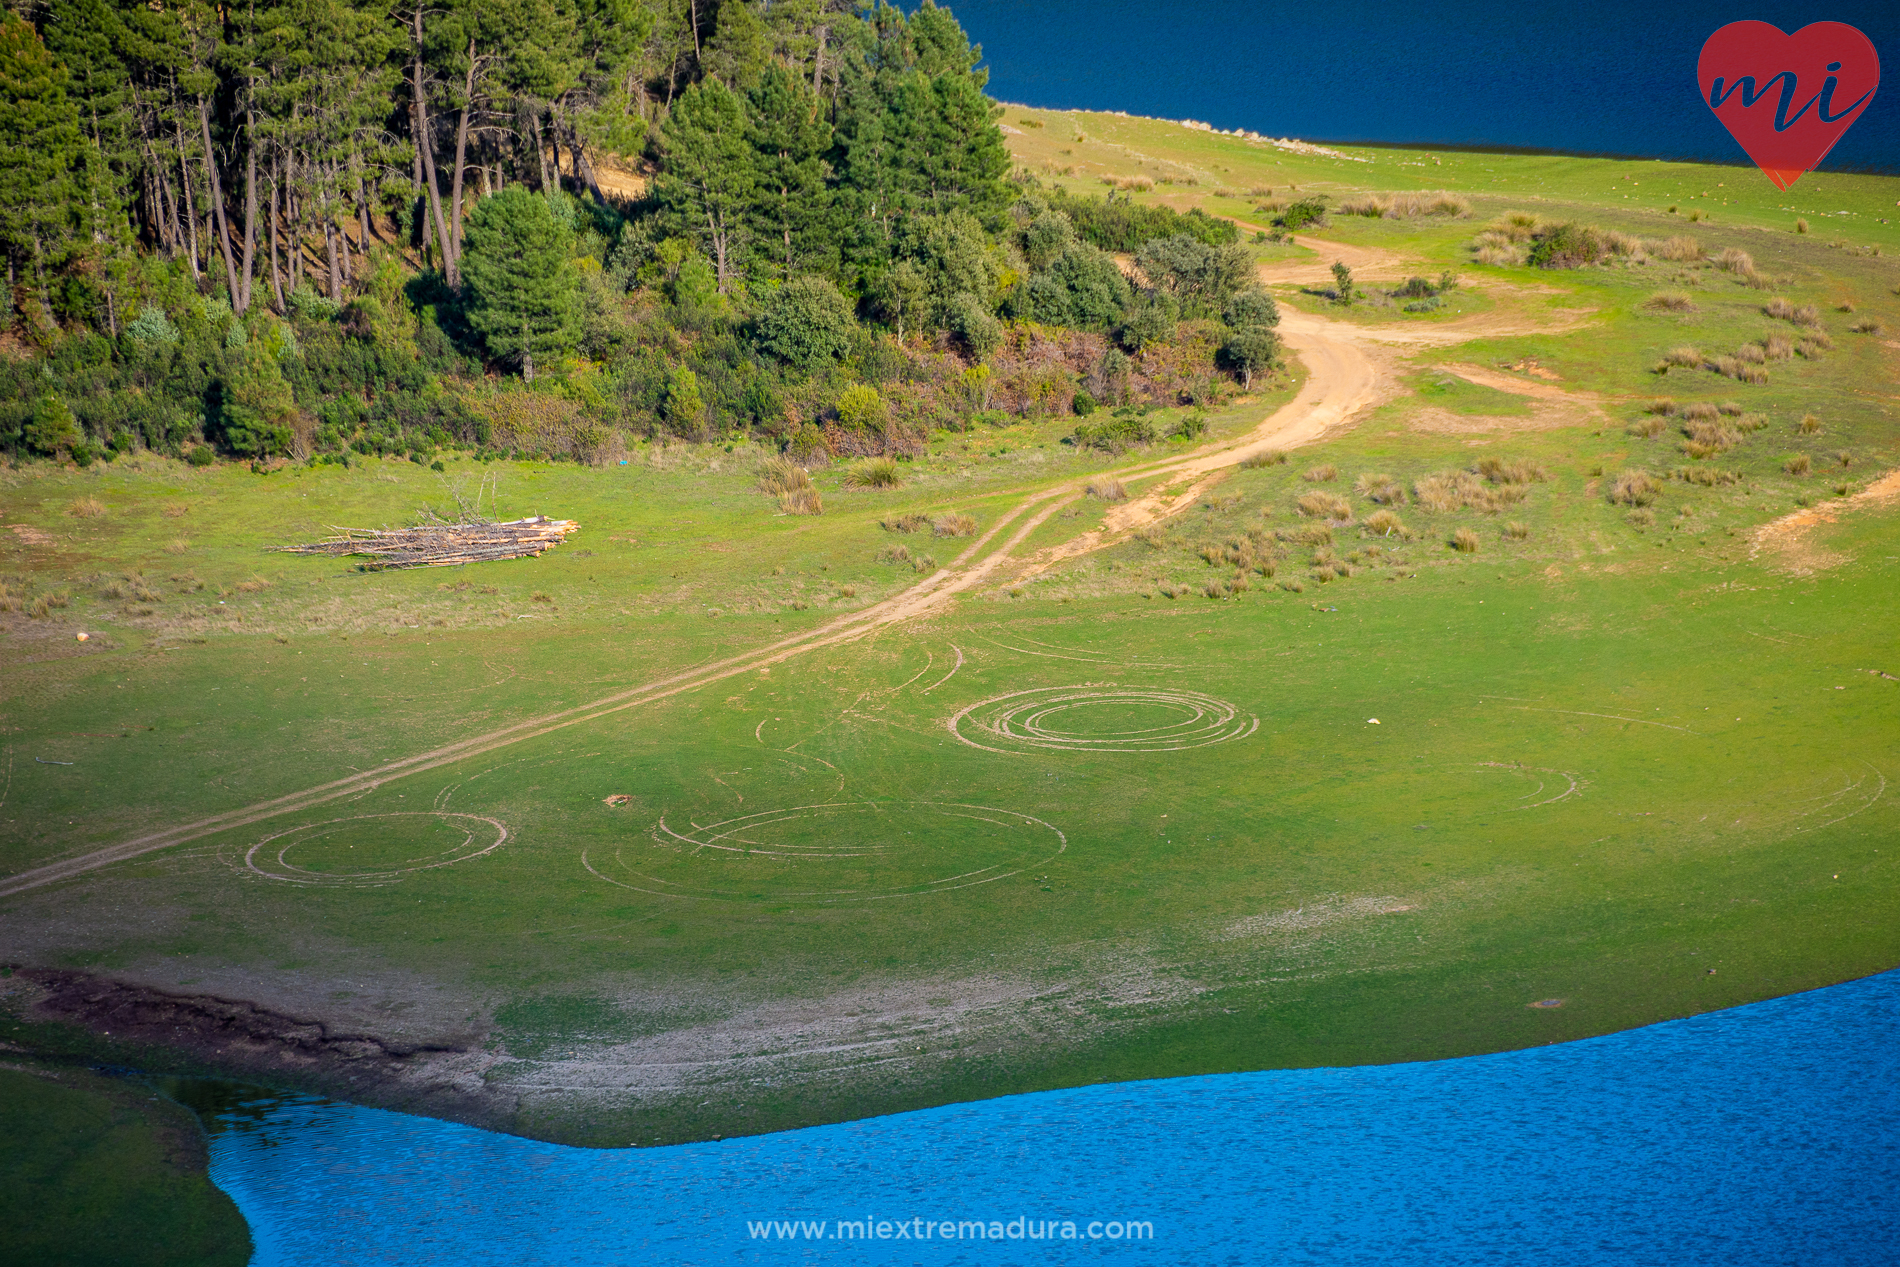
[(441, 1078), (1788, 537), (1545, 415)]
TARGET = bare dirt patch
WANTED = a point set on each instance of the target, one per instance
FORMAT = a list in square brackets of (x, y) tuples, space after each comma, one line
[(1544, 416), (1789, 538)]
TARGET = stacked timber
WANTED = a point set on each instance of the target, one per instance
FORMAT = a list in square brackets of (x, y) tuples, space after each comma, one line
[(441, 545)]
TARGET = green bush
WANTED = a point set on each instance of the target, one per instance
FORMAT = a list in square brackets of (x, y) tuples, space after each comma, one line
[(1150, 319), (1251, 306), (969, 319), (1115, 433), (1117, 224), (806, 322), (1306, 212), (1083, 404), (201, 455), (860, 408), (1568, 245), (1249, 351)]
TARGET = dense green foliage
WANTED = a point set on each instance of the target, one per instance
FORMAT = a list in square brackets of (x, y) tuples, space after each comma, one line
[(310, 227)]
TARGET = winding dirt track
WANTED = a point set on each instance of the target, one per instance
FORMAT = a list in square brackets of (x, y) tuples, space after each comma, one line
[(1348, 374)]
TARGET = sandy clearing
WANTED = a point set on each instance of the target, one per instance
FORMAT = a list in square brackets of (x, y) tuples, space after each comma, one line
[(1544, 416), (1504, 382), (1788, 536)]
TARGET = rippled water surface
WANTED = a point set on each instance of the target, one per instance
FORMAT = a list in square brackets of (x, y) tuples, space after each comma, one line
[(1614, 76), (1765, 1134)]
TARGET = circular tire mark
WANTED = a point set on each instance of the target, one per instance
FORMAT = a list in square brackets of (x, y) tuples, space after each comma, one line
[(270, 857), (1025, 721), (779, 866)]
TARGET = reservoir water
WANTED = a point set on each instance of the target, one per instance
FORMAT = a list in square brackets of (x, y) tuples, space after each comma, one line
[(1615, 77), (1765, 1134)]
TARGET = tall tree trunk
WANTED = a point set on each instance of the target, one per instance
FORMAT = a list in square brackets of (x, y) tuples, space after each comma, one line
[(190, 212), (293, 217), (541, 152), (329, 248), (276, 278), (427, 146), (362, 207), (461, 147), (584, 170), (818, 61), (217, 200), (250, 206)]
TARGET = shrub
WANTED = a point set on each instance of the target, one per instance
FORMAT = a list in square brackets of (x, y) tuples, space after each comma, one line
[(873, 473), (1568, 245), (1386, 523), (1321, 474), (1634, 487), (1464, 541), (1809, 425), (1105, 488), (1115, 434), (1379, 488), (1082, 404), (954, 524), (1308, 211), (87, 508), (201, 455), (1799, 464), (806, 322), (860, 408), (1317, 505), (1249, 351), (1264, 458), (1251, 306)]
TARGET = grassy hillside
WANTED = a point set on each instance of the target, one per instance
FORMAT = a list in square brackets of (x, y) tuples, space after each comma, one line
[(1126, 813)]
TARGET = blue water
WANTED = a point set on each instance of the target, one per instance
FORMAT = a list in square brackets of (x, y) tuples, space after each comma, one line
[(1767, 1134), (1615, 76)]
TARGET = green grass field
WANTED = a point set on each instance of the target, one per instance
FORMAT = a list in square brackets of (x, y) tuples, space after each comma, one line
[(1127, 816)]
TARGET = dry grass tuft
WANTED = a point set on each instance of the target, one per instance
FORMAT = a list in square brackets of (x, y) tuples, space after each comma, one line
[(1106, 488), (1648, 428), (1515, 531), (1448, 490), (1799, 464), (1684, 357), (1640, 519), (1464, 541), (175, 510), (255, 585), (1386, 523), (1777, 346), (1706, 476), (1670, 301), (1810, 425), (1268, 457), (905, 523), (792, 485), (1635, 487), (1844, 457), (1682, 247), (1866, 325), (1517, 471), (1701, 411), (1321, 474), (177, 545), (1734, 260), (1317, 505), (873, 473), (1380, 488), (954, 524), (87, 508)]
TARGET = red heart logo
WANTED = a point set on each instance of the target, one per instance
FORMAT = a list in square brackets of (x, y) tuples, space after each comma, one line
[(1788, 98)]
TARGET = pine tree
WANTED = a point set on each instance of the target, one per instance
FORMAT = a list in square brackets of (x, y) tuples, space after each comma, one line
[(524, 295), (789, 137), (40, 155), (707, 180)]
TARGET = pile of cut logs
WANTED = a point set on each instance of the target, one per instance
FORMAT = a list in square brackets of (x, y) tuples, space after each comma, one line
[(441, 545)]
